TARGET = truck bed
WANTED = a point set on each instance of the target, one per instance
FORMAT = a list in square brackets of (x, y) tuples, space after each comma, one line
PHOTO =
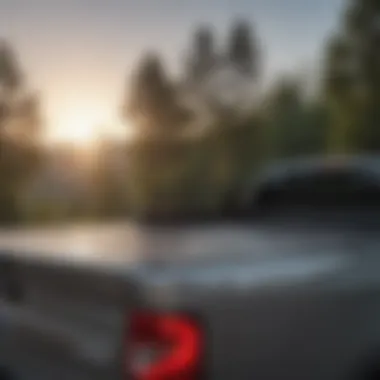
[(79, 285), (123, 245)]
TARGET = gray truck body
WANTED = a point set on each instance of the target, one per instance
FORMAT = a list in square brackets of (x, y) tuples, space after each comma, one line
[(275, 303), (276, 300)]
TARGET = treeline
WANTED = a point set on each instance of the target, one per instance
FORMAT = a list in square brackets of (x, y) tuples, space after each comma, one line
[(201, 134), (20, 126), (197, 134)]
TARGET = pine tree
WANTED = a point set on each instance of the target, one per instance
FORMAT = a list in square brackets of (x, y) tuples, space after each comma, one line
[(152, 97), (353, 77), (203, 57), (11, 77), (242, 50), (19, 126), (296, 124)]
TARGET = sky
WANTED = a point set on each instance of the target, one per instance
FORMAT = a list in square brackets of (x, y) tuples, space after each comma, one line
[(78, 54)]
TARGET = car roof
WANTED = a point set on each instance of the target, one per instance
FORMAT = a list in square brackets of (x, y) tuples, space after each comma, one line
[(303, 166), (310, 164)]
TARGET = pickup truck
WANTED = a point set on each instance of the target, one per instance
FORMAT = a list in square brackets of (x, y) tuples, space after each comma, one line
[(289, 291)]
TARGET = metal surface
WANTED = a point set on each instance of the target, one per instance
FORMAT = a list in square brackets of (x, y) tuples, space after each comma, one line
[(276, 302), (295, 295)]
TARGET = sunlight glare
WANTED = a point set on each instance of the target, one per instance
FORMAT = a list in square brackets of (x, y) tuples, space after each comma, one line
[(81, 126), (84, 125)]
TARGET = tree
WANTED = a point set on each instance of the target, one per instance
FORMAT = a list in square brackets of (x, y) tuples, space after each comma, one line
[(195, 173), (152, 98), (338, 86), (242, 49), (226, 85), (19, 127), (203, 57), (11, 76), (296, 125), (354, 86), (107, 180)]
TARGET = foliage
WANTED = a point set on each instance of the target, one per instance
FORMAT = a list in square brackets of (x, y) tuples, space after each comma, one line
[(180, 172), (152, 101), (243, 52), (107, 183), (203, 56), (296, 125), (200, 136), (353, 79), (19, 126)]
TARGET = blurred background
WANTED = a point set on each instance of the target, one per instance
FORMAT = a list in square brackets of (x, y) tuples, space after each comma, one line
[(162, 109)]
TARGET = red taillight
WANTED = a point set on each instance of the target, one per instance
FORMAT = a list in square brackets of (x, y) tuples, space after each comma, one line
[(170, 344)]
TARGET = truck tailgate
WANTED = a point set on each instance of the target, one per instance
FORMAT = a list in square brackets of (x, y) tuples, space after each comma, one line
[(66, 294)]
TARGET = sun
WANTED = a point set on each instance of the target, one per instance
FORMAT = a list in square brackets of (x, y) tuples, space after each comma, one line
[(84, 125), (80, 127), (80, 131)]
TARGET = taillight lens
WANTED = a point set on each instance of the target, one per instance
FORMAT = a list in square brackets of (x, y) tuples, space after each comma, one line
[(163, 347)]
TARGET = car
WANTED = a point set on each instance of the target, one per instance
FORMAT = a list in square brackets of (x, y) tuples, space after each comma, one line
[(292, 291)]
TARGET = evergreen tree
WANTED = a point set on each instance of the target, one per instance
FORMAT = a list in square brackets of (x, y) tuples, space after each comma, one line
[(296, 125), (353, 77), (19, 126), (339, 88), (203, 57), (242, 50), (152, 96), (11, 77)]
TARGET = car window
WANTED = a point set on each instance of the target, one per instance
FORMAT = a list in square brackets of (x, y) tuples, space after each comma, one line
[(330, 190)]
